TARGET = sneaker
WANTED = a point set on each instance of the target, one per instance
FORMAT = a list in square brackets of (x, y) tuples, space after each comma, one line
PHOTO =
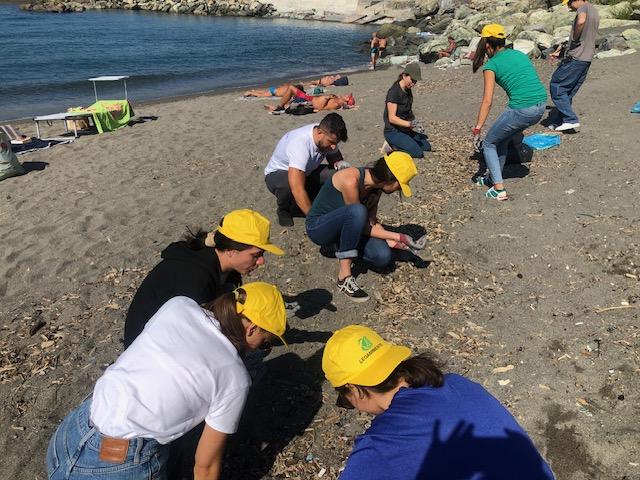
[(352, 289), (496, 194), (284, 218), (484, 181), (567, 126), (277, 111), (553, 126)]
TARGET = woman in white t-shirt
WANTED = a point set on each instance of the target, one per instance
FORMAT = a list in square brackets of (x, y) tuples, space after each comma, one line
[(185, 367)]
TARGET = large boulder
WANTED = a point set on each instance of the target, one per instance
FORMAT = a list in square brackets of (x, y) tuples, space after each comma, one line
[(632, 36), (391, 30), (542, 40), (527, 47), (426, 7), (615, 23), (613, 42), (460, 32)]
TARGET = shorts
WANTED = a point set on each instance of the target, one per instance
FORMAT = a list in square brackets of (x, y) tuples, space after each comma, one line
[(272, 90), (301, 94), (341, 82)]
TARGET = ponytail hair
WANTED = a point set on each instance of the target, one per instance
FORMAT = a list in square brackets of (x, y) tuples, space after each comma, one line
[(224, 311), (481, 51)]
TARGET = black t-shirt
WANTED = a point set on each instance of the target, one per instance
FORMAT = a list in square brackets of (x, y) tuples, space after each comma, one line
[(191, 273), (404, 101)]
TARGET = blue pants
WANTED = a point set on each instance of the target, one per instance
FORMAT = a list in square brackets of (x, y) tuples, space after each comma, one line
[(496, 143), (344, 226), (415, 144), (565, 83), (75, 446)]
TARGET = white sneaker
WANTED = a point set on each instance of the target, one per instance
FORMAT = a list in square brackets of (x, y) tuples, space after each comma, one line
[(567, 126)]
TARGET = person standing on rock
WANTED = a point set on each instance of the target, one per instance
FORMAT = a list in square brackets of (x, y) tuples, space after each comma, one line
[(428, 424), (382, 46), (514, 72), (374, 50), (573, 67), (401, 129)]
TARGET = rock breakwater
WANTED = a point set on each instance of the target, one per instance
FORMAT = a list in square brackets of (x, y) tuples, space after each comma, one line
[(232, 8)]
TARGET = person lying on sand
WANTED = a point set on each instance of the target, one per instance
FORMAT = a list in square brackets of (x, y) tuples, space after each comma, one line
[(328, 81), (319, 102), (272, 91)]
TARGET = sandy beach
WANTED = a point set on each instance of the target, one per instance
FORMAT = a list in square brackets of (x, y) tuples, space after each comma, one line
[(536, 298)]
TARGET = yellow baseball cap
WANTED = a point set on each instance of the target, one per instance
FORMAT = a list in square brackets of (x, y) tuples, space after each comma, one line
[(493, 30), (360, 356), (403, 168), (249, 227), (265, 307)]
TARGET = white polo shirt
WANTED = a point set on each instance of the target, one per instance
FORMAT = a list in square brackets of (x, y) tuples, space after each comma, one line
[(180, 371), (298, 150)]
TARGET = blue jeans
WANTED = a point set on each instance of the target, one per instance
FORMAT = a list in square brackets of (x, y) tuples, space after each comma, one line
[(496, 143), (565, 83), (415, 144), (344, 226), (75, 446)]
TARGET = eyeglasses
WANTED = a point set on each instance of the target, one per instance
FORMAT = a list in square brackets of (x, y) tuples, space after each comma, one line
[(343, 402)]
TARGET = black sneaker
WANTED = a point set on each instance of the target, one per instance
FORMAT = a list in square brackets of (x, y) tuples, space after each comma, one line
[(352, 289), (284, 218)]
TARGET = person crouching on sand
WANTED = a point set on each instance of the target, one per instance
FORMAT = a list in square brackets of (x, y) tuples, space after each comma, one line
[(427, 424), (185, 367), (345, 214), (203, 267)]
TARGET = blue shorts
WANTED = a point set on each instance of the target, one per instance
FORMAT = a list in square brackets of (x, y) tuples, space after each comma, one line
[(273, 91)]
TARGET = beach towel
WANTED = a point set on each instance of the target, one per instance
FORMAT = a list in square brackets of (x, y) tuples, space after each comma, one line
[(540, 141), (40, 144), (108, 115), (9, 164)]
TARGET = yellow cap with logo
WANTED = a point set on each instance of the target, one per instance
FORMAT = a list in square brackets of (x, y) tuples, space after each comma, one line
[(249, 227), (360, 356), (264, 306)]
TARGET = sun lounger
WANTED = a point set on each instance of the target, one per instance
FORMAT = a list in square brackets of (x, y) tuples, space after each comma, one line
[(107, 115), (72, 116)]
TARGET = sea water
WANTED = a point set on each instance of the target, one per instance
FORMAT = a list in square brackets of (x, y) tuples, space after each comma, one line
[(48, 58)]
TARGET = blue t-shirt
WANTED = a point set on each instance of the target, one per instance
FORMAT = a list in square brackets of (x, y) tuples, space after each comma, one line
[(458, 431)]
